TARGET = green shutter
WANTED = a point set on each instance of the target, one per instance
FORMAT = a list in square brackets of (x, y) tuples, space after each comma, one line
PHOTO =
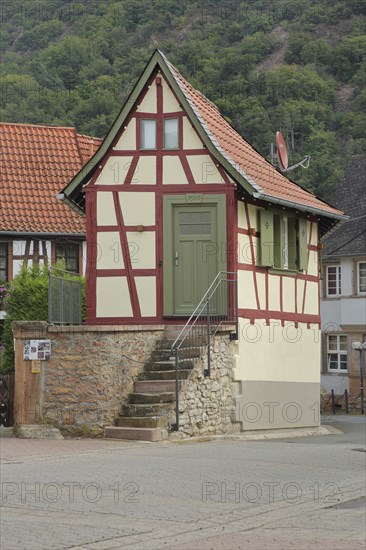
[(303, 245), (292, 244), (266, 238)]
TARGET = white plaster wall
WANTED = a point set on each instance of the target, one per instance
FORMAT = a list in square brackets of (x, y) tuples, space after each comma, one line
[(335, 382), (276, 353)]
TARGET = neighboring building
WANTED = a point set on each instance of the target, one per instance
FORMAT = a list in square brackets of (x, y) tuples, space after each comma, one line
[(173, 196), (343, 305), (35, 163)]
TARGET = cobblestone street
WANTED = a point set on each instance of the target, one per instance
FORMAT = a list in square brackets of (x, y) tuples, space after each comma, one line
[(303, 493)]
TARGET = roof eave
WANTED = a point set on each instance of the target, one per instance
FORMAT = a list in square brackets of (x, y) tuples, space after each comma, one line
[(300, 206)]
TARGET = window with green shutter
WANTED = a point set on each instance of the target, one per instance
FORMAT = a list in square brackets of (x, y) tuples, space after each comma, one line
[(283, 241)]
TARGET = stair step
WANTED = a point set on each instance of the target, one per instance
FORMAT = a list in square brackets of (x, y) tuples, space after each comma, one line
[(164, 375), (154, 386), (141, 434), (142, 421), (143, 409), (159, 365), (164, 397)]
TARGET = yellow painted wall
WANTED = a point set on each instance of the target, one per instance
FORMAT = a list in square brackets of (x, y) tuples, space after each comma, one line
[(149, 103), (138, 208), (113, 299), (114, 172), (204, 169), (170, 104), (274, 283), (286, 353), (106, 214), (146, 291), (173, 172), (190, 137), (109, 253), (127, 141), (142, 249), (145, 172)]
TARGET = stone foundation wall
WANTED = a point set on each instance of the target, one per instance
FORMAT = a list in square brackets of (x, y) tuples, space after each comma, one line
[(89, 376), (207, 405)]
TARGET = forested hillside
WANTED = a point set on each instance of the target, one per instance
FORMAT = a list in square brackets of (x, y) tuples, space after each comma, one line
[(293, 65)]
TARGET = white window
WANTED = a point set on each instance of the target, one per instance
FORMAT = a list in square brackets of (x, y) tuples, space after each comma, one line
[(333, 280), (171, 133), (337, 352), (148, 134), (361, 278)]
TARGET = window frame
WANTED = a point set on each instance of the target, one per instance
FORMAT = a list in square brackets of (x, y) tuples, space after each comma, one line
[(282, 237), (338, 351), (338, 292), (358, 280), (142, 121), (77, 246), (5, 256), (164, 144)]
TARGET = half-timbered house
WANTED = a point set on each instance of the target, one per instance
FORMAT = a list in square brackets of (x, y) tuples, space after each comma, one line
[(173, 196)]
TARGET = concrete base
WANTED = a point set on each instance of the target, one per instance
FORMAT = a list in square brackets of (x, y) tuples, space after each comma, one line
[(140, 434), (37, 431)]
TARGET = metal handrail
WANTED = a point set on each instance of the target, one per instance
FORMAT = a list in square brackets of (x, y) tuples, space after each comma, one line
[(204, 323)]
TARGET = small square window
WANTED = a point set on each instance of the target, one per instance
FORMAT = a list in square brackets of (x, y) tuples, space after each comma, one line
[(337, 352), (69, 252), (171, 140), (333, 280), (361, 278), (148, 134)]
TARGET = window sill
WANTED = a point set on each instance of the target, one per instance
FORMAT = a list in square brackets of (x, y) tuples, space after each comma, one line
[(278, 271)]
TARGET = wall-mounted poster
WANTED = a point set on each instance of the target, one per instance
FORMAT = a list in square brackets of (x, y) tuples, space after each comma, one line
[(37, 350)]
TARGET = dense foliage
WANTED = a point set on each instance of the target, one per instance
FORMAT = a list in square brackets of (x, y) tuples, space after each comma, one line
[(294, 65), (26, 300)]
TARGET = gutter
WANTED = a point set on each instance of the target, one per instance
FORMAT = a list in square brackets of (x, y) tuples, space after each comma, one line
[(62, 197), (39, 234), (297, 206)]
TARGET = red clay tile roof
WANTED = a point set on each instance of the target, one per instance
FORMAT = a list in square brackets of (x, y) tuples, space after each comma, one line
[(256, 169), (36, 162)]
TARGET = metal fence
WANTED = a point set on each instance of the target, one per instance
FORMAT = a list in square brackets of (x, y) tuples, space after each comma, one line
[(64, 298)]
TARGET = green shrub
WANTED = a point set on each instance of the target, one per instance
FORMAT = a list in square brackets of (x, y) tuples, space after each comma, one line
[(26, 300)]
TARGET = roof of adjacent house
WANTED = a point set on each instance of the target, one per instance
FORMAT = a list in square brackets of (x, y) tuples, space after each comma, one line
[(237, 156), (36, 162), (349, 238)]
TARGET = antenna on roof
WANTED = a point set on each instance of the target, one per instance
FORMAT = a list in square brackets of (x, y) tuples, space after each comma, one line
[(282, 156)]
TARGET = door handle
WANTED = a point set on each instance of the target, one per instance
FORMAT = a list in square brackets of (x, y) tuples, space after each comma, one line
[(176, 257)]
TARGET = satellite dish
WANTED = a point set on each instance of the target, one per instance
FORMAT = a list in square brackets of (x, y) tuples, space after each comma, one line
[(282, 155), (281, 151)]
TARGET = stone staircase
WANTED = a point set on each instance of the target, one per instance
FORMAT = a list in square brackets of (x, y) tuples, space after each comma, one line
[(146, 416)]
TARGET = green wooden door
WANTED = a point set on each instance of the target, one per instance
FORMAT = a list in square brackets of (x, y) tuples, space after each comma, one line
[(196, 254)]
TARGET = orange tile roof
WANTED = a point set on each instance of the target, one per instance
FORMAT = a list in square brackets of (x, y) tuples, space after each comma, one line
[(242, 156), (36, 162)]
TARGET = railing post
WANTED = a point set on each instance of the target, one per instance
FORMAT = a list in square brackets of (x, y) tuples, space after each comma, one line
[(49, 298), (208, 370), (176, 427), (346, 400)]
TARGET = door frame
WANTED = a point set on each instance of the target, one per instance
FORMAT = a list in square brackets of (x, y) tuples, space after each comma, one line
[(194, 199)]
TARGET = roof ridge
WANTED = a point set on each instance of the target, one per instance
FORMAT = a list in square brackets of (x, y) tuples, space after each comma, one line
[(26, 124)]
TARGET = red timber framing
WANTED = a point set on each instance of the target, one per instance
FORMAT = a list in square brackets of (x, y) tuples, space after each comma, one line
[(159, 189), (262, 311)]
